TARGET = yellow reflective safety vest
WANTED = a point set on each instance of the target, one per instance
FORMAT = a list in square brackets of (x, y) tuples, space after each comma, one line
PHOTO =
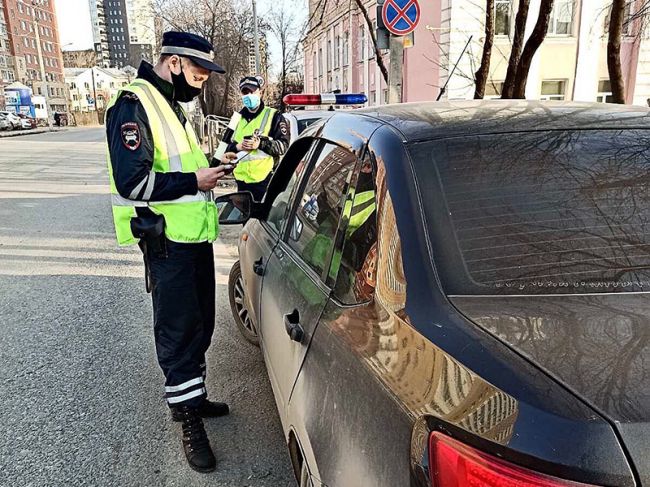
[(364, 205), (258, 164), (189, 219)]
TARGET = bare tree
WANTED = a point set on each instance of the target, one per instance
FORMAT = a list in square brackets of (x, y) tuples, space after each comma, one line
[(532, 44), (617, 13), (517, 46), (231, 40), (285, 26), (483, 71), (373, 36), (79, 59)]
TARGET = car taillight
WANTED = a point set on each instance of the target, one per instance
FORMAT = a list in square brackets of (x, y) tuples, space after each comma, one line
[(453, 464)]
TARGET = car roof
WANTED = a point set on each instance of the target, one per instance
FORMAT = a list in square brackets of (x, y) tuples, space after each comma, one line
[(433, 120)]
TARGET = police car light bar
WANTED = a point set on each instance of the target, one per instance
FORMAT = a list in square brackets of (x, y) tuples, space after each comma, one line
[(325, 99)]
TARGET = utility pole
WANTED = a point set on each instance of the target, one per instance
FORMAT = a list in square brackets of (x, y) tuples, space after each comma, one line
[(92, 73), (41, 64), (396, 75), (256, 40)]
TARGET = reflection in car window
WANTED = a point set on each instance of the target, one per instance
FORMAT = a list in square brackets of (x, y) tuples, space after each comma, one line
[(306, 122), (280, 207), (544, 212), (356, 272), (317, 217)]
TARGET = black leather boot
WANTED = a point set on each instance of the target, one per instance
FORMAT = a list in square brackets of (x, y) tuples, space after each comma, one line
[(207, 409), (195, 440)]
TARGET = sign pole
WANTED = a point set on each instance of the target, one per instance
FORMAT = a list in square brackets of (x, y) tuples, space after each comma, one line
[(396, 74), (400, 18)]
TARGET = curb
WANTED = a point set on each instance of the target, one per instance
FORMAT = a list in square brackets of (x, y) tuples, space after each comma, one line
[(18, 133)]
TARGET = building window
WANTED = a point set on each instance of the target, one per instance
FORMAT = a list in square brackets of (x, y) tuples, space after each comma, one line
[(346, 49), (553, 90), (373, 97), (320, 61), (337, 52), (604, 91), (493, 90), (561, 21), (502, 17), (26, 41), (329, 56), (23, 25), (371, 46), (362, 42), (20, 8), (384, 95)]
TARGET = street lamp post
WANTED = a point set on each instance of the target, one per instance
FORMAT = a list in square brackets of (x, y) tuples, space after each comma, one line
[(256, 40), (41, 64)]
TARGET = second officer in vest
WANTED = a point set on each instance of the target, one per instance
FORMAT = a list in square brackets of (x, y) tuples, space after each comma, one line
[(262, 132), (161, 186)]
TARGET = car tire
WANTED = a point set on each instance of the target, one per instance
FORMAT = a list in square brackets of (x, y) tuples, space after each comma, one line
[(240, 314)]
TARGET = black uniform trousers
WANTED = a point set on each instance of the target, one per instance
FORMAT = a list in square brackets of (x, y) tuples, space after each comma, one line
[(183, 293), (258, 190)]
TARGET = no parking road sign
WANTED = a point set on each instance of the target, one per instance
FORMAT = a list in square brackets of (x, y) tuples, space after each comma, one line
[(401, 17)]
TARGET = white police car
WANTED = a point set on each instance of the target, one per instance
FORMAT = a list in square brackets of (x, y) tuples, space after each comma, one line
[(300, 119)]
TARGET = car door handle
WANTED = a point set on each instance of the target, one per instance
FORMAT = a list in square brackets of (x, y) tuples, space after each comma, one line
[(293, 327), (258, 267)]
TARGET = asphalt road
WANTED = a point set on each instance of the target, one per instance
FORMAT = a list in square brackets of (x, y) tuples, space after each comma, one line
[(80, 390)]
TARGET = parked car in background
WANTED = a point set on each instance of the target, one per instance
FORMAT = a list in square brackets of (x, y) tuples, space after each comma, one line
[(27, 122), (4, 123), (456, 294), (13, 119)]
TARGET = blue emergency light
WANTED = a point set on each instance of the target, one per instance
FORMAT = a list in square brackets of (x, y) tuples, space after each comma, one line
[(325, 99)]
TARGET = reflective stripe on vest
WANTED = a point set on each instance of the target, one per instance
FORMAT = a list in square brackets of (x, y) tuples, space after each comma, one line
[(257, 165), (191, 218), (358, 208)]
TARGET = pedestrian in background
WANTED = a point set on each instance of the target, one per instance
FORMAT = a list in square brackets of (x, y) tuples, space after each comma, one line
[(161, 187)]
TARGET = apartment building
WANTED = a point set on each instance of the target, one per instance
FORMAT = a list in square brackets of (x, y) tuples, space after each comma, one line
[(124, 31), (33, 35), (7, 74)]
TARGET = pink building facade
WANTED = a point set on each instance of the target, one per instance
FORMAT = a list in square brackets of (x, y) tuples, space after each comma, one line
[(339, 54), (571, 64)]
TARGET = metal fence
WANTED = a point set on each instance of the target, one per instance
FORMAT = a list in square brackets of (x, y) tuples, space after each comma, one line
[(210, 130)]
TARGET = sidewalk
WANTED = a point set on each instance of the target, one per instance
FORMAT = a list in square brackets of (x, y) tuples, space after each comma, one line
[(18, 133)]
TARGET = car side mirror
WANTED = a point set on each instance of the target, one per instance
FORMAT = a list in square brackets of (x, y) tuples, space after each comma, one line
[(234, 208)]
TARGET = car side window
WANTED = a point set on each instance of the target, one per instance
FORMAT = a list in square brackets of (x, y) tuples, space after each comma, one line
[(279, 210), (355, 270), (315, 221)]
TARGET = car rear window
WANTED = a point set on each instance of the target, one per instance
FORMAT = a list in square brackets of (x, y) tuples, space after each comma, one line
[(539, 213)]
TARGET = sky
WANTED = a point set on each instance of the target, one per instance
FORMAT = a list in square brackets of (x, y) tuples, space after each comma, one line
[(75, 29)]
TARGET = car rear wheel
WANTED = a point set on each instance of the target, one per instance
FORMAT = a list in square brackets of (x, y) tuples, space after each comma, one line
[(237, 296)]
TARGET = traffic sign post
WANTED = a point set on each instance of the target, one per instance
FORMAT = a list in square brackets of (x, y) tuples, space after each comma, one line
[(400, 18)]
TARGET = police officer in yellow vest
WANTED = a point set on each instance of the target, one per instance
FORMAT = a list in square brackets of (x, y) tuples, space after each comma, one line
[(263, 133), (161, 188)]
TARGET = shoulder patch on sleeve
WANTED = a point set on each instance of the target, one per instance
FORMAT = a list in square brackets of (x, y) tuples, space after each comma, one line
[(131, 137), (284, 128)]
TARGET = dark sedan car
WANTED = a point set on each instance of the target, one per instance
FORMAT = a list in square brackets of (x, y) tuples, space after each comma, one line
[(457, 295)]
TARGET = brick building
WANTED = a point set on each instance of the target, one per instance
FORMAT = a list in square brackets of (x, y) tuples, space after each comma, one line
[(29, 22)]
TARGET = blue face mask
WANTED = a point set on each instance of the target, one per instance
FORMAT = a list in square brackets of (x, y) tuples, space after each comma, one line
[(251, 101)]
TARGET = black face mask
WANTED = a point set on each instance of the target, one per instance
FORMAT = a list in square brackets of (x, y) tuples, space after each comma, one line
[(183, 91)]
